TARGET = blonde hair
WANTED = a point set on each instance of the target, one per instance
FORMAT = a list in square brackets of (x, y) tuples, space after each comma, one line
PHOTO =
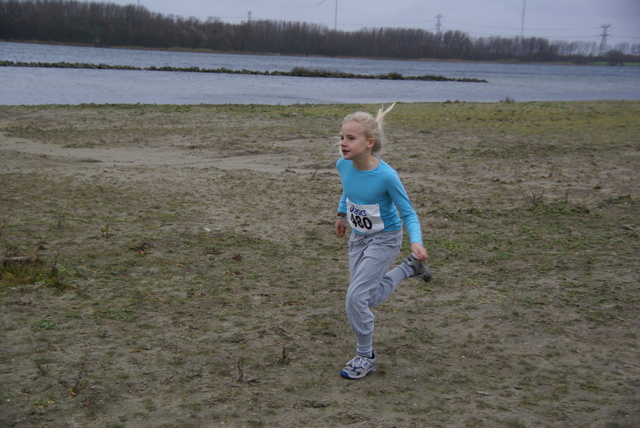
[(373, 126)]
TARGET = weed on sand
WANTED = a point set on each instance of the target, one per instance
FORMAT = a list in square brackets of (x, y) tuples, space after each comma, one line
[(177, 266)]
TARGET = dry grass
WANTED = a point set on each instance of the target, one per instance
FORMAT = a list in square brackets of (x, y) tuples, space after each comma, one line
[(180, 268)]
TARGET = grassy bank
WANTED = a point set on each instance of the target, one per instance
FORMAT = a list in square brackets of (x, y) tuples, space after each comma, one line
[(295, 72), (177, 266)]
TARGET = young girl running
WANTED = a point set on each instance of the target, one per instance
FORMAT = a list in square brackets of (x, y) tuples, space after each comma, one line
[(375, 205)]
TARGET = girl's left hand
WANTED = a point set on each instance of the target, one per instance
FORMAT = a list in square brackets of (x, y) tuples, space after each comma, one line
[(419, 251)]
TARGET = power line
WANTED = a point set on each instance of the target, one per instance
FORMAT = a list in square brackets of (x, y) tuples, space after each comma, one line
[(604, 35), (439, 24), (335, 21), (524, 7)]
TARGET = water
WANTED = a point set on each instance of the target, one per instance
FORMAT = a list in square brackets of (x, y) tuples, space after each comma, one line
[(32, 86)]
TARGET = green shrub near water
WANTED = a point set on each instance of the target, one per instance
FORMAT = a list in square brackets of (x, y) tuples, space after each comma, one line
[(295, 72)]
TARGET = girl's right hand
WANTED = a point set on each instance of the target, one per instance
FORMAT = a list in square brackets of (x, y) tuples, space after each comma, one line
[(419, 251), (341, 226)]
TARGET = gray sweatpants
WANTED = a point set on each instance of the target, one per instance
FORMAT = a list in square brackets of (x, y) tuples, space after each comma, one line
[(370, 257)]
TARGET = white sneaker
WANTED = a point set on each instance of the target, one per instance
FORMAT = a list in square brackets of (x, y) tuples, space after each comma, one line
[(359, 367)]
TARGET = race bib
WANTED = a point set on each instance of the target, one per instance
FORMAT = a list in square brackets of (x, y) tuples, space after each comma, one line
[(364, 218)]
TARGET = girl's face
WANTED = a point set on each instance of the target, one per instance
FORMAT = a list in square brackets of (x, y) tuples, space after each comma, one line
[(354, 145)]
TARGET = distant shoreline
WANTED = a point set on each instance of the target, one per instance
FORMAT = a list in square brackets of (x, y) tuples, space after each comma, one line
[(209, 51)]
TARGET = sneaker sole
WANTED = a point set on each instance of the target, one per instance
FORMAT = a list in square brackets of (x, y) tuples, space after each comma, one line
[(347, 376)]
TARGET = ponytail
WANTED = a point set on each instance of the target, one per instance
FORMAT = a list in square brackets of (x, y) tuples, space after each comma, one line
[(381, 114)]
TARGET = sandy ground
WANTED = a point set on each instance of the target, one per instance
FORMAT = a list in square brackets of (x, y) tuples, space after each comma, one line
[(187, 273)]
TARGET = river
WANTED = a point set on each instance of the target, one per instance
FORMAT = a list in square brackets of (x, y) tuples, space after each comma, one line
[(517, 82)]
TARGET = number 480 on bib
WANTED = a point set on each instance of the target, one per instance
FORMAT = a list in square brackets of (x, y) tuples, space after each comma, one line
[(362, 222)]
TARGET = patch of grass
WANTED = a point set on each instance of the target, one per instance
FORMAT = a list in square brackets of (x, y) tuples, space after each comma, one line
[(21, 265), (119, 314), (46, 325)]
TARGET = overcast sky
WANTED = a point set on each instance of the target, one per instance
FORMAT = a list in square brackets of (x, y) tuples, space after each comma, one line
[(568, 20)]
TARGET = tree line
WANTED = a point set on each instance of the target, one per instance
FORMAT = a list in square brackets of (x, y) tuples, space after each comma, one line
[(109, 24)]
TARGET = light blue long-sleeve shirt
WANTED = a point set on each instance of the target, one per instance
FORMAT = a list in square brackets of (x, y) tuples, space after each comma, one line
[(378, 191)]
